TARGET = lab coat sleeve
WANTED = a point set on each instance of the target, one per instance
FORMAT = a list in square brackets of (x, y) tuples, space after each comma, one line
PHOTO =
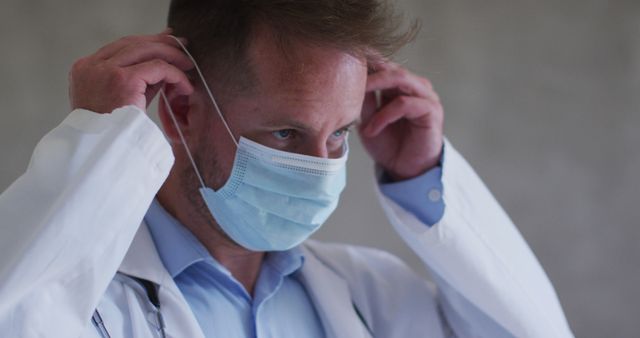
[(489, 281), (68, 221)]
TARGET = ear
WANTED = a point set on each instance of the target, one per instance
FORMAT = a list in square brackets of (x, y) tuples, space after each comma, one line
[(181, 110)]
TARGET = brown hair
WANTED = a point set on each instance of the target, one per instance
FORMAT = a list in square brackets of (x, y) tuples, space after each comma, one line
[(219, 31)]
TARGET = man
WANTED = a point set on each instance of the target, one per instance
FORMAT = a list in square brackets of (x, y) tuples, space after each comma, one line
[(204, 236)]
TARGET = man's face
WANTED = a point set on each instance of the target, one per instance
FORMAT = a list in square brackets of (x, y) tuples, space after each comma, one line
[(302, 103)]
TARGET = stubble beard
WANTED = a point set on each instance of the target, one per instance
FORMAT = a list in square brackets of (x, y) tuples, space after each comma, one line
[(210, 170)]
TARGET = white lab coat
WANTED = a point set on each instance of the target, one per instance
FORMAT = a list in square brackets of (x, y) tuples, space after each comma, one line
[(73, 220)]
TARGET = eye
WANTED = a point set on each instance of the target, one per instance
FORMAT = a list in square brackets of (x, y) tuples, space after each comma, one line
[(340, 133), (283, 134)]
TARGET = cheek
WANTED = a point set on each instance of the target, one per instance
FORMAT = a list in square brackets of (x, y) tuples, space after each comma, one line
[(215, 156)]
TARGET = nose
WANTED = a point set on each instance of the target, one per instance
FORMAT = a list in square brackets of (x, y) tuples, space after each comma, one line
[(324, 149), (317, 149)]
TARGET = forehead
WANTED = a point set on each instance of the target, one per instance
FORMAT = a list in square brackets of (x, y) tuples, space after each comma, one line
[(306, 73)]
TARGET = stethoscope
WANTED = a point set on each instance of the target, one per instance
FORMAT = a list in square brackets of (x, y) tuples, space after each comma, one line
[(151, 291)]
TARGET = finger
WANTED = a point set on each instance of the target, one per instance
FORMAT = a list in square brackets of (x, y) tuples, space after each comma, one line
[(157, 71), (386, 65), (401, 80), (398, 68), (134, 41), (418, 111), (111, 49), (133, 54), (369, 106), (380, 65)]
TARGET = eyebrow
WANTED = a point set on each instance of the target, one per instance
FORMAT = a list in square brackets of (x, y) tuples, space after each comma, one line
[(297, 125), (350, 124)]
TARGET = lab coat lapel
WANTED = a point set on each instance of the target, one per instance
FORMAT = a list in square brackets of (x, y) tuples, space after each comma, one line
[(142, 261), (328, 291), (331, 297)]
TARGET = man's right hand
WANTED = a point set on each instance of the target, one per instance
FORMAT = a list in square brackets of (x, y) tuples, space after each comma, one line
[(129, 71)]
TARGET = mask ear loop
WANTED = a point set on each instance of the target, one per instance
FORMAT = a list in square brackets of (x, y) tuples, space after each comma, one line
[(206, 86), (175, 121), (182, 139)]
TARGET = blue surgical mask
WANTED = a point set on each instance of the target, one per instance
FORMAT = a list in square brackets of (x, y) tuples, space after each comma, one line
[(273, 200)]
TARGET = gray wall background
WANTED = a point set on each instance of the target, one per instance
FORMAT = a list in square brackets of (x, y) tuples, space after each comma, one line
[(541, 96)]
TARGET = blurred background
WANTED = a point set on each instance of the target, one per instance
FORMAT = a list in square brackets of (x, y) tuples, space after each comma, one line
[(542, 97)]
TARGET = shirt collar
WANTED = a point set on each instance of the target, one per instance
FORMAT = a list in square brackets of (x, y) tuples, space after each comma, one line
[(179, 248)]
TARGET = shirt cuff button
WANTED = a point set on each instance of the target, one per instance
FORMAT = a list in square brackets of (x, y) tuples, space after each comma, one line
[(434, 195)]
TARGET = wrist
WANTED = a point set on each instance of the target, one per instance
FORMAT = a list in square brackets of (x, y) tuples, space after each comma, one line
[(390, 175)]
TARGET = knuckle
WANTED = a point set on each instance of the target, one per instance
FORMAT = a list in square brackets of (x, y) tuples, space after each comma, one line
[(118, 77), (403, 101), (426, 82), (406, 88), (438, 116), (126, 39), (81, 68), (157, 63), (401, 72), (164, 67), (78, 65), (130, 38)]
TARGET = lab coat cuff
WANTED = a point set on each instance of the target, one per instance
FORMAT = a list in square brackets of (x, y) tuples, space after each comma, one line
[(476, 241), (144, 135), (421, 195)]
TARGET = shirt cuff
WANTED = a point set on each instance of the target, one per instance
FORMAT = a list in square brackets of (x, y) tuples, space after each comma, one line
[(421, 195)]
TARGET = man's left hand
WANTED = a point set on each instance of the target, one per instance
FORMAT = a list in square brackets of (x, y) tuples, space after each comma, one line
[(404, 135)]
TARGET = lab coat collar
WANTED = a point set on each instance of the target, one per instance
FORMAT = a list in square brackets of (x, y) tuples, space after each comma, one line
[(142, 261), (330, 294), (328, 291)]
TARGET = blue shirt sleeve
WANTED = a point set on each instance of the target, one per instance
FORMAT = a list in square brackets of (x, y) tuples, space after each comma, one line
[(421, 195)]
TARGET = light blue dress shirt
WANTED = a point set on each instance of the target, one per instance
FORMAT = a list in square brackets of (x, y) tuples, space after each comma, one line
[(280, 306), (421, 195)]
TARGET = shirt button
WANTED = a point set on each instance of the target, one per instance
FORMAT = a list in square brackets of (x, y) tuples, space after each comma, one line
[(434, 195)]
